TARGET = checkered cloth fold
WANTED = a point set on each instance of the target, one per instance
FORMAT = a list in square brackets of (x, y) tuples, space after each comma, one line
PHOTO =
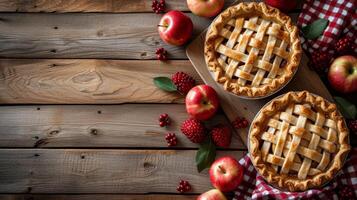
[(342, 17), (254, 186)]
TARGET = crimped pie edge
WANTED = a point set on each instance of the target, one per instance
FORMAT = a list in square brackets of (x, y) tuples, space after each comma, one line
[(288, 182), (267, 12)]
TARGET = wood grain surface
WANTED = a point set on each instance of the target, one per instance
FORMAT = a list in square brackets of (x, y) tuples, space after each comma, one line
[(116, 6), (100, 171), (84, 35), (111, 6), (127, 125), (87, 81), (97, 197)]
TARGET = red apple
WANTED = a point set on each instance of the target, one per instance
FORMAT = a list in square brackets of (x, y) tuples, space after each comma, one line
[(213, 194), (283, 5), (202, 102), (342, 74), (226, 174), (175, 28), (205, 8)]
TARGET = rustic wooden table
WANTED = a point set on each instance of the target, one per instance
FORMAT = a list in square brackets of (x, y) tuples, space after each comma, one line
[(98, 56)]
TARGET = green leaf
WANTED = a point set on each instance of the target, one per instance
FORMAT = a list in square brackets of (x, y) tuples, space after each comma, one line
[(205, 155), (165, 83), (315, 29), (347, 109)]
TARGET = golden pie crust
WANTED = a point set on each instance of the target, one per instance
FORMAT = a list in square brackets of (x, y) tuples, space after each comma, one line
[(298, 141), (252, 49)]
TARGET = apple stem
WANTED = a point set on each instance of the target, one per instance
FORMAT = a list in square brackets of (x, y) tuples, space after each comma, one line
[(162, 26), (221, 169)]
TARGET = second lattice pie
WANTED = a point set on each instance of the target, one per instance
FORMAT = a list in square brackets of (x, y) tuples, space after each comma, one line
[(252, 49), (298, 141)]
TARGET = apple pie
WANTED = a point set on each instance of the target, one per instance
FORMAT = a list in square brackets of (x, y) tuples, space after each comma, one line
[(252, 50), (298, 141)]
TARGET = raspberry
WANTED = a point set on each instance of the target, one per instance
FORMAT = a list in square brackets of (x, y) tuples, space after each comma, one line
[(158, 6), (352, 125), (183, 82), (240, 123), (171, 139), (346, 192), (320, 62), (344, 45), (194, 130), (164, 120), (221, 136), (184, 186), (161, 54)]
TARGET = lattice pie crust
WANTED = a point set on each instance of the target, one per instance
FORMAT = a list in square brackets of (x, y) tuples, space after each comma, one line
[(298, 141), (252, 49)]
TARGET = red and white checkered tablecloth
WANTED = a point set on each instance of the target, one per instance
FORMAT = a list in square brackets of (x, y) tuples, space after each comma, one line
[(254, 186), (342, 17)]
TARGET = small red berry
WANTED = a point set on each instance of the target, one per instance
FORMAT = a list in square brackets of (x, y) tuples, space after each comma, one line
[(171, 139), (183, 82), (163, 116), (164, 120), (245, 123), (158, 6), (184, 186), (161, 54), (240, 123)]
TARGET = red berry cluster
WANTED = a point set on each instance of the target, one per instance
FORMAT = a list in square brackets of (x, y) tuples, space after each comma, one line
[(346, 192), (352, 125), (158, 6), (171, 139), (344, 45), (240, 123), (164, 120), (194, 130), (183, 186), (320, 61), (221, 135), (183, 82), (161, 54)]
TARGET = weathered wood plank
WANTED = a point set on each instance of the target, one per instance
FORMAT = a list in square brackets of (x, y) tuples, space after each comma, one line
[(83, 81), (124, 36), (100, 171), (127, 125), (97, 197), (116, 6)]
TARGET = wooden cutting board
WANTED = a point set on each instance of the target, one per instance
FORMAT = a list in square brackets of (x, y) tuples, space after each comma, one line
[(234, 106)]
